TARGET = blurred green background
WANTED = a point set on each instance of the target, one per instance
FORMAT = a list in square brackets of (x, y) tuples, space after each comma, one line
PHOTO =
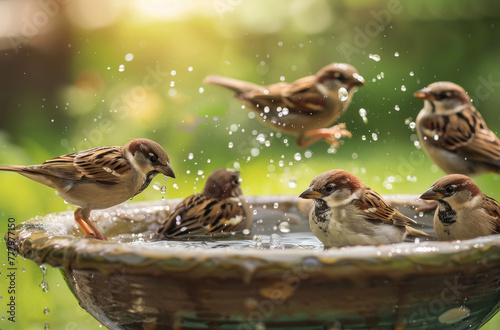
[(75, 74)]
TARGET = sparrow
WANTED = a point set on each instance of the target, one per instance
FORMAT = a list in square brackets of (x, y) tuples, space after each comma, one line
[(219, 208), (453, 133), (463, 211), (101, 177), (304, 107), (346, 213)]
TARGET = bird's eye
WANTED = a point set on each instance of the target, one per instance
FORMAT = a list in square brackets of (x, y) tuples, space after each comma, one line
[(449, 190), (443, 95), (329, 188), (153, 158)]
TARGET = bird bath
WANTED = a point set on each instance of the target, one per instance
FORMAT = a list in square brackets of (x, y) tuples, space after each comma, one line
[(129, 282)]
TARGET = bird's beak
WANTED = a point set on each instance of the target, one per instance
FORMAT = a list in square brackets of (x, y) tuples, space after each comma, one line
[(423, 94), (358, 80), (431, 195), (310, 194), (167, 170)]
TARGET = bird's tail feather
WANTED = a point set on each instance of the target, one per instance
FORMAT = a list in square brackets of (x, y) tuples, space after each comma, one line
[(415, 232), (239, 86)]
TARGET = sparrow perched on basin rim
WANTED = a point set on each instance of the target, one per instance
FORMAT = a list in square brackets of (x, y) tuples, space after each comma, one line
[(101, 177), (220, 208), (304, 107), (346, 213), (453, 133), (463, 211)]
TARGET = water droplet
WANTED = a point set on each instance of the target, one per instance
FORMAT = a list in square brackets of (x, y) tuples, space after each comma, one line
[(276, 205), (276, 242), (190, 156), (396, 54), (47, 326), (403, 88), (412, 74), (201, 90), (230, 145), (374, 136), (292, 183), (396, 107), (374, 57), (284, 227), (129, 57), (121, 68), (190, 69), (343, 94), (362, 112), (246, 231), (44, 285), (46, 311), (308, 154), (173, 73), (297, 156), (255, 152)]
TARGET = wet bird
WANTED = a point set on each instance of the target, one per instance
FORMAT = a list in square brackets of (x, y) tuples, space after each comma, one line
[(346, 213), (453, 133), (219, 209), (304, 107), (463, 212), (101, 177)]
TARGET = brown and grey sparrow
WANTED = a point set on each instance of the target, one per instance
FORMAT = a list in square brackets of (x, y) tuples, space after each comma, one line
[(346, 213), (453, 133), (304, 107), (101, 177), (219, 209), (463, 211)]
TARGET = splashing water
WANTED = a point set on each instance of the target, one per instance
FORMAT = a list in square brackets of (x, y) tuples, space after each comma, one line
[(374, 57), (276, 242), (343, 94), (44, 285)]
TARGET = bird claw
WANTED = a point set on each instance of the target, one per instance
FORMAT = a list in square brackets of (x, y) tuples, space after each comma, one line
[(331, 135), (94, 236)]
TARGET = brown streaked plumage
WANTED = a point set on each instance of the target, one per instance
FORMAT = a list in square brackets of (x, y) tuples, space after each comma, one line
[(304, 107), (220, 208), (453, 133), (101, 177), (463, 212), (346, 212)]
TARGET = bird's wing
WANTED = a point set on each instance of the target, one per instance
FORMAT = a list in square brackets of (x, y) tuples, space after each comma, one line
[(375, 208), (103, 164), (201, 215), (304, 96), (492, 207), (464, 133), (300, 96)]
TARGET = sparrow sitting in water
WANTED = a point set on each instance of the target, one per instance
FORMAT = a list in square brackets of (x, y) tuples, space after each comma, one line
[(463, 211), (304, 107), (453, 133), (219, 208), (101, 177), (346, 213)]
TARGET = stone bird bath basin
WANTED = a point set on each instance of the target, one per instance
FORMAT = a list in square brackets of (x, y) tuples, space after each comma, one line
[(128, 282)]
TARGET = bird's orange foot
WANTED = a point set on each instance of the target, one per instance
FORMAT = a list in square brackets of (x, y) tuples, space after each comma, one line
[(331, 135)]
